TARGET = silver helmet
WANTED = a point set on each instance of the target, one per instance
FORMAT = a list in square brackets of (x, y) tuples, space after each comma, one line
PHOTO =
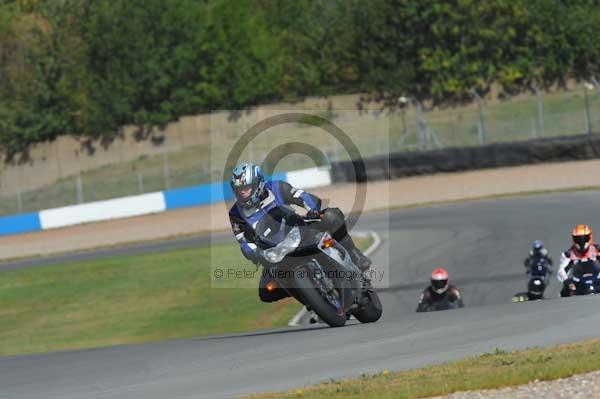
[(248, 184)]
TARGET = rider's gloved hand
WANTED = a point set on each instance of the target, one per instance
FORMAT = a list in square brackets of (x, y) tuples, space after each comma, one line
[(254, 257), (313, 214)]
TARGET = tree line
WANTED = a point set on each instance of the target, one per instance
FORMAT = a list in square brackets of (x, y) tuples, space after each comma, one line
[(87, 67)]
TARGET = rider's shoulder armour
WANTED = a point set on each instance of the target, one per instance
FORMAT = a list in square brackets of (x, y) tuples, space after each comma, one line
[(453, 291)]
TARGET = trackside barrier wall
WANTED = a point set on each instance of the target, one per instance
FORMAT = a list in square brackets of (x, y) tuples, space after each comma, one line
[(145, 204), (102, 210), (377, 168), (21, 223), (314, 177), (392, 166), (214, 192)]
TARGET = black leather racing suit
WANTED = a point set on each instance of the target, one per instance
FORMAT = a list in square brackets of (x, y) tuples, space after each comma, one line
[(429, 298), (532, 262)]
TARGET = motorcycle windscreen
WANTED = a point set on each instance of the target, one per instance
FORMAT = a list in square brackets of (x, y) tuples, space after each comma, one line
[(587, 267), (272, 228)]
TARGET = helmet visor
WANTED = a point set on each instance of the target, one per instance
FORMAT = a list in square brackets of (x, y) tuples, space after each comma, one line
[(439, 284), (582, 241), (243, 193)]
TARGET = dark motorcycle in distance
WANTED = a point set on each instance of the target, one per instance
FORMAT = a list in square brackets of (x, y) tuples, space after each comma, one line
[(314, 268), (536, 288), (538, 277), (585, 279)]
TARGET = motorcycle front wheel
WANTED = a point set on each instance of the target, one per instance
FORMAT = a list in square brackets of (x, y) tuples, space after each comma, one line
[(326, 303)]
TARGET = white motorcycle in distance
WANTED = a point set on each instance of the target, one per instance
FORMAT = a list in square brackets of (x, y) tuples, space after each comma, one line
[(314, 268)]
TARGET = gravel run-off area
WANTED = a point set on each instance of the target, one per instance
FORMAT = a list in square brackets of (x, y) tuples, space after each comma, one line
[(583, 386)]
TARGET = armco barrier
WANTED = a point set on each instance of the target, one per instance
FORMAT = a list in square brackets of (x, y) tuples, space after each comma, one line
[(397, 165), (145, 204)]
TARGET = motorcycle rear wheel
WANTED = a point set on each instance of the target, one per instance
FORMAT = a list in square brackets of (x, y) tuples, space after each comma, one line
[(371, 312)]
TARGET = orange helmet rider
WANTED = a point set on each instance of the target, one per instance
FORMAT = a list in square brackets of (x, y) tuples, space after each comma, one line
[(582, 250), (582, 238)]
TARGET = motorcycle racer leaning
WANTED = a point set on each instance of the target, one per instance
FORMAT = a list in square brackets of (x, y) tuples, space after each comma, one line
[(583, 249), (439, 291), (538, 262), (255, 197)]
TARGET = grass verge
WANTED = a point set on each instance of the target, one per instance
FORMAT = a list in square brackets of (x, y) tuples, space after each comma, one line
[(131, 299), (488, 371)]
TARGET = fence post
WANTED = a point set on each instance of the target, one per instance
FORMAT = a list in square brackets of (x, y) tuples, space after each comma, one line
[(250, 143), (140, 180), (79, 189), (420, 124), (481, 126), (402, 103), (540, 109), (250, 151), (587, 86), (165, 166), (335, 150), (19, 201), (597, 85)]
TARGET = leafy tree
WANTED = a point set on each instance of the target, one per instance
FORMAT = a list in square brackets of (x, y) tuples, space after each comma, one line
[(84, 67)]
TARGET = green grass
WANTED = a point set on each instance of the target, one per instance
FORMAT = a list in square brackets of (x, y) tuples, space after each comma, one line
[(488, 371), (132, 299), (128, 300)]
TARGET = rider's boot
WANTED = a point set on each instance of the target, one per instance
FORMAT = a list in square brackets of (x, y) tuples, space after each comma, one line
[(357, 256), (565, 291)]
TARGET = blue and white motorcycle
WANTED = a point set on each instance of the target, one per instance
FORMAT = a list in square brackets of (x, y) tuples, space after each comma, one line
[(585, 279), (314, 268)]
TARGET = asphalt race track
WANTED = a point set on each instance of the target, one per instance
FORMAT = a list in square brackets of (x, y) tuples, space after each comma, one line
[(481, 243)]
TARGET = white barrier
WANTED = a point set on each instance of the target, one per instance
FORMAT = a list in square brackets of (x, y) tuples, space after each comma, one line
[(309, 178), (140, 204), (103, 210)]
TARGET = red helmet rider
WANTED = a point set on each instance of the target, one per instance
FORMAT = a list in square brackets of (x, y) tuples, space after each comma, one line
[(439, 280), (440, 294)]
